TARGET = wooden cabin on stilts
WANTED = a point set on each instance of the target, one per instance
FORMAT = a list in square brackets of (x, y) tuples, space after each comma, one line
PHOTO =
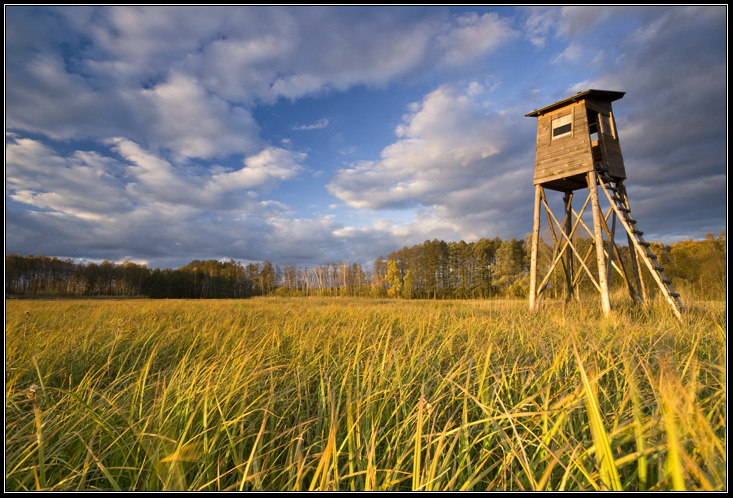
[(578, 149)]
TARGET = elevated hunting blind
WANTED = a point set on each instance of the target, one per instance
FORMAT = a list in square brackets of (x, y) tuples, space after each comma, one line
[(578, 148)]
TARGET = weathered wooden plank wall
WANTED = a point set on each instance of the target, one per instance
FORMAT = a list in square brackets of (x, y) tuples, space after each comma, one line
[(565, 156), (572, 155)]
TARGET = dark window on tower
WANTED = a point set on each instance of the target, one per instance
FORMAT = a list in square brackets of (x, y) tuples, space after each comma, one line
[(607, 126), (562, 126), (593, 126)]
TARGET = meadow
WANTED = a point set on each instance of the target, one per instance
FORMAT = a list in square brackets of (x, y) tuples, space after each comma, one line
[(362, 394)]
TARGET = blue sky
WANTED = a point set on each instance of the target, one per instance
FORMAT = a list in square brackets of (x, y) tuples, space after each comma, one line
[(307, 135)]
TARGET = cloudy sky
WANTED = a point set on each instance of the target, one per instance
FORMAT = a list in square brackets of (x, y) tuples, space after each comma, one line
[(312, 134)]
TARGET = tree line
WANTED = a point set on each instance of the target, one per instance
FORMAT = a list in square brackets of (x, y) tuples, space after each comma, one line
[(437, 269), (432, 270), (50, 276)]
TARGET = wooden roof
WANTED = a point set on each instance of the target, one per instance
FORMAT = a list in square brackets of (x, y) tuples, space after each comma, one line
[(604, 95)]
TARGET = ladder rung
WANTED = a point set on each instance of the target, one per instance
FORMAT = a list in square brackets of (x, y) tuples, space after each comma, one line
[(674, 294), (666, 281), (645, 244), (650, 255), (624, 210), (631, 220), (658, 268), (637, 232)]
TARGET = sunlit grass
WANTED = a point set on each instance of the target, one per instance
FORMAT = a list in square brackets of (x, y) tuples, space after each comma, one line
[(350, 394)]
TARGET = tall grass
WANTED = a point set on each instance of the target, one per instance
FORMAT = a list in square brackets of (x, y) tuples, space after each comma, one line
[(349, 394)]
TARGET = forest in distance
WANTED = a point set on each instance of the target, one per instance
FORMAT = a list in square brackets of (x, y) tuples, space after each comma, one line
[(435, 269)]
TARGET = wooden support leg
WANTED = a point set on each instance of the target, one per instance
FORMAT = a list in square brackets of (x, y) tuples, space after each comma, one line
[(568, 254), (558, 246), (535, 246), (598, 232)]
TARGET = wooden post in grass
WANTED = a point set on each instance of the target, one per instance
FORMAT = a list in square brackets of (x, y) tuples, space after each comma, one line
[(598, 232), (535, 245), (578, 148)]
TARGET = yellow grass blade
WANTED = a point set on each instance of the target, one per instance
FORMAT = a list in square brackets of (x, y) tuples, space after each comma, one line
[(673, 463), (609, 473), (253, 452)]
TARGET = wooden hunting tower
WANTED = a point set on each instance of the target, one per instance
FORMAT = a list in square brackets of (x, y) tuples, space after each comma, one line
[(578, 148)]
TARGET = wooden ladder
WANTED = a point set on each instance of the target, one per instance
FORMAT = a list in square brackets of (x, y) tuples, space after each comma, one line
[(615, 191)]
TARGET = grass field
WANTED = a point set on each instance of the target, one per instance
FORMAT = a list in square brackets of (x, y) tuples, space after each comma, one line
[(351, 394)]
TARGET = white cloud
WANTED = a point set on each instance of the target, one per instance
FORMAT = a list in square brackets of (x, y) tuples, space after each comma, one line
[(540, 23), (81, 185), (191, 123), (183, 80), (455, 170), (215, 189), (572, 53), (153, 176), (320, 124), (42, 97), (442, 145), (140, 204), (262, 170), (471, 36), (133, 44)]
